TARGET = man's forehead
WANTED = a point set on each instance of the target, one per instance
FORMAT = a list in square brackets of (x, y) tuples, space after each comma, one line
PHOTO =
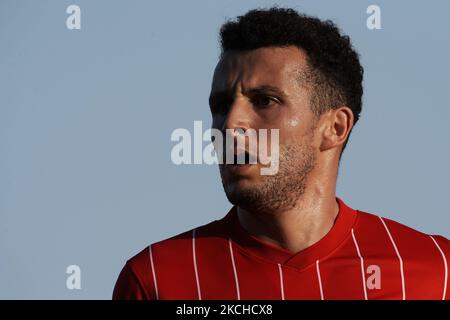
[(261, 66)]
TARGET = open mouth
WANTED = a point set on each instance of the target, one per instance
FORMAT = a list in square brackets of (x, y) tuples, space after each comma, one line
[(243, 158)]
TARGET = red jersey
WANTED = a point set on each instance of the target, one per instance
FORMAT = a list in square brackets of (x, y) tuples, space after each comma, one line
[(363, 256)]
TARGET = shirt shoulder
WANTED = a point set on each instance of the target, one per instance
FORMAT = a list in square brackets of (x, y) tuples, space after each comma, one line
[(377, 227), (138, 279), (134, 280), (421, 258)]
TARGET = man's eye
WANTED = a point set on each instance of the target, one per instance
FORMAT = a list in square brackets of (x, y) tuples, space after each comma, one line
[(263, 101)]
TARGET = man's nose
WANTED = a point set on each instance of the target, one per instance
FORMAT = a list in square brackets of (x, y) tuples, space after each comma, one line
[(238, 116)]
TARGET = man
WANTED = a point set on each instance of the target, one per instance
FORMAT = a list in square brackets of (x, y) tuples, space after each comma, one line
[(288, 236)]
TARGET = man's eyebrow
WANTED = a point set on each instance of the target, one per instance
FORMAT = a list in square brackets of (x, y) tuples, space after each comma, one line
[(263, 89)]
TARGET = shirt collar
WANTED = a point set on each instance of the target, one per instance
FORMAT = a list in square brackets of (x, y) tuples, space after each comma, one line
[(250, 244)]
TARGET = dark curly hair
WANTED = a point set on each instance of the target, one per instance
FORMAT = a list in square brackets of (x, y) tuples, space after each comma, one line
[(335, 72)]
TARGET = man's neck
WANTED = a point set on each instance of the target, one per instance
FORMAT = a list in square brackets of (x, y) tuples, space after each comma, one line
[(297, 228)]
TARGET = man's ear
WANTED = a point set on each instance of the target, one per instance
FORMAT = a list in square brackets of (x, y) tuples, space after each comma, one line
[(337, 124)]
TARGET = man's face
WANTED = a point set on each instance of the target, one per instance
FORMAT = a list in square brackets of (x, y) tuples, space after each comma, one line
[(264, 89)]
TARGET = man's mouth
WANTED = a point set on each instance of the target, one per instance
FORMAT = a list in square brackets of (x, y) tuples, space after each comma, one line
[(242, 158), (242, 162)]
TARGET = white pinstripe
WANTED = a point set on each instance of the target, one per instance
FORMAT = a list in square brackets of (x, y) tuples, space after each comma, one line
[(281, 281), (445, 267), (319, 279), (399, 258), (195, 265), (362, 264), (153, 271), (238, 293)]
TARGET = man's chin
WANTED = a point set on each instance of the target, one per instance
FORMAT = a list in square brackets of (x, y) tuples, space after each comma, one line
[(240, 175), (241, 191)]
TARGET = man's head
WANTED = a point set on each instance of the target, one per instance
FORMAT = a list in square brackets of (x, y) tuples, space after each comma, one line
[(282, 70)]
